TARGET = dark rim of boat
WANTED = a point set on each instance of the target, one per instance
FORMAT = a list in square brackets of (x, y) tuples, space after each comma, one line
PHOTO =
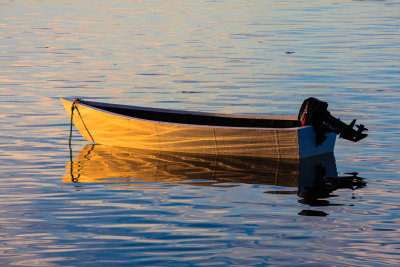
[(194, 118)]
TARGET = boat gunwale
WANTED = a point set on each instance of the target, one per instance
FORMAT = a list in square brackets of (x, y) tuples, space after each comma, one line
[(245, 116)]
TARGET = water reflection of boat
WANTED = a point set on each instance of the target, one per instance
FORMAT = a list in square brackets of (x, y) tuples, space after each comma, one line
[(314, 178), (100, 163)]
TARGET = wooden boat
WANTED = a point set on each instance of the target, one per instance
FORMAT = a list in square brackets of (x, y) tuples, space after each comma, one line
[(201, 132)]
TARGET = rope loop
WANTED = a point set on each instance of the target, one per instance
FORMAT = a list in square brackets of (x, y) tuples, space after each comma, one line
[(73, 107)]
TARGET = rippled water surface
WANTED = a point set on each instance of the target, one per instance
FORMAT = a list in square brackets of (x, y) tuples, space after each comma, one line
[(105, 206)]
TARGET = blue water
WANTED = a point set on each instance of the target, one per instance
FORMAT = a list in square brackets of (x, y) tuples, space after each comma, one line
[(219, 56)]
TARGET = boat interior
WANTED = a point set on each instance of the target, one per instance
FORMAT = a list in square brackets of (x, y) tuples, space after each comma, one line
[(198, 118)]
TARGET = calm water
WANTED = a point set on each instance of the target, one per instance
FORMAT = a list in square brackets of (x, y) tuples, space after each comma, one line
[(111, 207)]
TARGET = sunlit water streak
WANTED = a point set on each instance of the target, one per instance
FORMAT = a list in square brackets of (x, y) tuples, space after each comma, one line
[(222, 56)]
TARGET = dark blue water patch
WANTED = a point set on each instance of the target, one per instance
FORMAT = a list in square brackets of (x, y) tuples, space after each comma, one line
[(42, 28), (20, 66), (192, 92), (171, 101), (72, 86), (9, 84), (282, 192), (385, 229), (57, 53)]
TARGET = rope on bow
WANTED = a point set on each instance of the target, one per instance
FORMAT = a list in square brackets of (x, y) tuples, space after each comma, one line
[(73, 107)]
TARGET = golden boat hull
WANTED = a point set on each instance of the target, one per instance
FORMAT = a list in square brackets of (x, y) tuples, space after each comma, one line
[(109, 128)]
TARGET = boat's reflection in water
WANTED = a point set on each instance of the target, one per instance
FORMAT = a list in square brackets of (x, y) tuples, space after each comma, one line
[(314, 179)]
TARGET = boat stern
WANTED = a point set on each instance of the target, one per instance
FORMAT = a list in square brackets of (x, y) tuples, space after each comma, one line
[(307, 143)]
